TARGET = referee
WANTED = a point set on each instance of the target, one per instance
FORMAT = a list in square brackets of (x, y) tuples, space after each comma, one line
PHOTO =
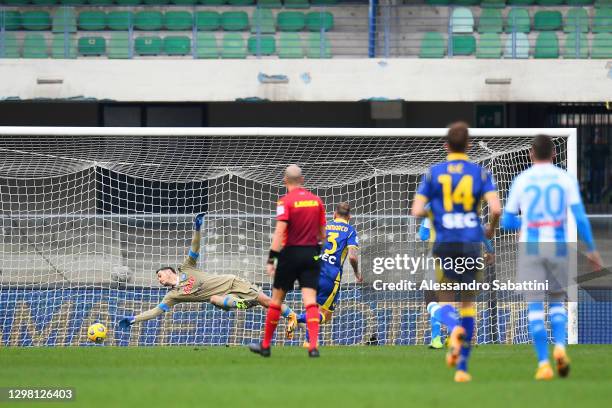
[(294, 255)]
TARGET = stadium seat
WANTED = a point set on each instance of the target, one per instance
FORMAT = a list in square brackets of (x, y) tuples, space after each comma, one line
[(148, 45), (521, 2), (576, 20), (148, 21), (576, 46), (262, 45), (290, 21), (11, 20), (465, 2), (184, 2), (92, 46), (119, 46), (240, 2), (547, 20), (297, 4), (177, 45), (103, 2), (463, 45), (35, 20), (489, 46), (518, 48), (71, 2), (119, 20), (207, 20), (490, 21), (319, 20), (432, 46), (602, 20), (44, 2), (493, 4), (16, 2), (318, 46), (602, 45), (547, 45), (603, 3), (438, 2), (8, 46), (269, 3), (235, 21), (233, 46), (64, 20), (550, 2), (462, 21), (579, 2), (63, 47), (128, 2), (212, 2), (206, 46), (518, 21), (92, 21), (290, 46), (323, 2), (156, 2), (178, 20), (263, 22)]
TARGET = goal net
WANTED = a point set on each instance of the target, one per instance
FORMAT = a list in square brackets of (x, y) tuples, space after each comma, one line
[(88, 215)]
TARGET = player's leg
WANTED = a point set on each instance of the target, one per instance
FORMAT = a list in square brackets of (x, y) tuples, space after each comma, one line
[(228, 302), (537, 329), (286, 312), (436, 326), (467, 312), (327, 294), (308, 277), (558, 323)]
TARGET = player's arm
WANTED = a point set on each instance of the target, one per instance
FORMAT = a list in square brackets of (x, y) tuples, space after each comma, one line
[(353, 255), (419, 203), (157, 311), (277, 244), (584, 226), (424, 230), (194, 250), (492, 199), (510, 220)]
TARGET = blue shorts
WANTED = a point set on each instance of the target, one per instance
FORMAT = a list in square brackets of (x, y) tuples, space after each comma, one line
[(328, 292)]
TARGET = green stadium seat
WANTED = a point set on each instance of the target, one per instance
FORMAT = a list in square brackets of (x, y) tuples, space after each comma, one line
[(489, 46), (156, 2), (576, 46), (269, 3), (438, 2), (290, 46), (92, 46), (602, 45), (318, 46), (207, 20), (119, 46), (432, 46), (148, 45), (547, 20), (579, 2), (603, 3), (465, 2), (576, 20), (184, 2), (63, 47), (212, 2), (71, 2), (16, 2), (602, 20), (518, 20), (290, 21), (235, 21), (177, 45), (35, 20), (462, 21), (547, 45), (302, 4), (11, 20), (493, 4), (262, 45), (262, 21), (317, 20), (44, 3), (119, 20), (463, 45), (323, 2), (233, 46), (92, 21), (241, 2), (64, 20), (148, 21), (8, 46), (178, 20), (102, 2), (490, 21), (550, 2), (521, 2), (206, 46), (518, 49), (128, 2)]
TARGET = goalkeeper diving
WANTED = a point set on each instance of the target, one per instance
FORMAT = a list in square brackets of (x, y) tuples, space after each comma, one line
[(189, 284)]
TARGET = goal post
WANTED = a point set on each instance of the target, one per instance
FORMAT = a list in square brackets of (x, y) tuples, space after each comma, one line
[(88, 215)]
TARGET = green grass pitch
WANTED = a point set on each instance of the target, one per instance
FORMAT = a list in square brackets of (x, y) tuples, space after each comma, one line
[(411, 376)]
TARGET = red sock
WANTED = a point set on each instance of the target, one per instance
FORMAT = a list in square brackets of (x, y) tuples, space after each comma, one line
[(272, 318), (312, 323)]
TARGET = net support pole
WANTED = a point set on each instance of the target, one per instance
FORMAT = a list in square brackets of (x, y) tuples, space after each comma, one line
[(572, 305)]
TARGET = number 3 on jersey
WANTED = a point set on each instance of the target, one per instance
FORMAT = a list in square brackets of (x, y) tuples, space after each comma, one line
[(462, 194)]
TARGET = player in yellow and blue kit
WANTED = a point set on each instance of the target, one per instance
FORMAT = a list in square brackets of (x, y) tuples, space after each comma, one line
[(341, 243), (454, 190)]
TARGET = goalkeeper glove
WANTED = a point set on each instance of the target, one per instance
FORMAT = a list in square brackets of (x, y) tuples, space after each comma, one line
[(197, 222), (126, 322)]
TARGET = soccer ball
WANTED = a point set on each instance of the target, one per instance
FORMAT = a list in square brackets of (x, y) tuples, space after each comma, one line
[(96, 333)]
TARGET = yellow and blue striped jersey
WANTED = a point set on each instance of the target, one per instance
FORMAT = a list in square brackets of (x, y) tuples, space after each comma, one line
[(340, 236), (454, 190)]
